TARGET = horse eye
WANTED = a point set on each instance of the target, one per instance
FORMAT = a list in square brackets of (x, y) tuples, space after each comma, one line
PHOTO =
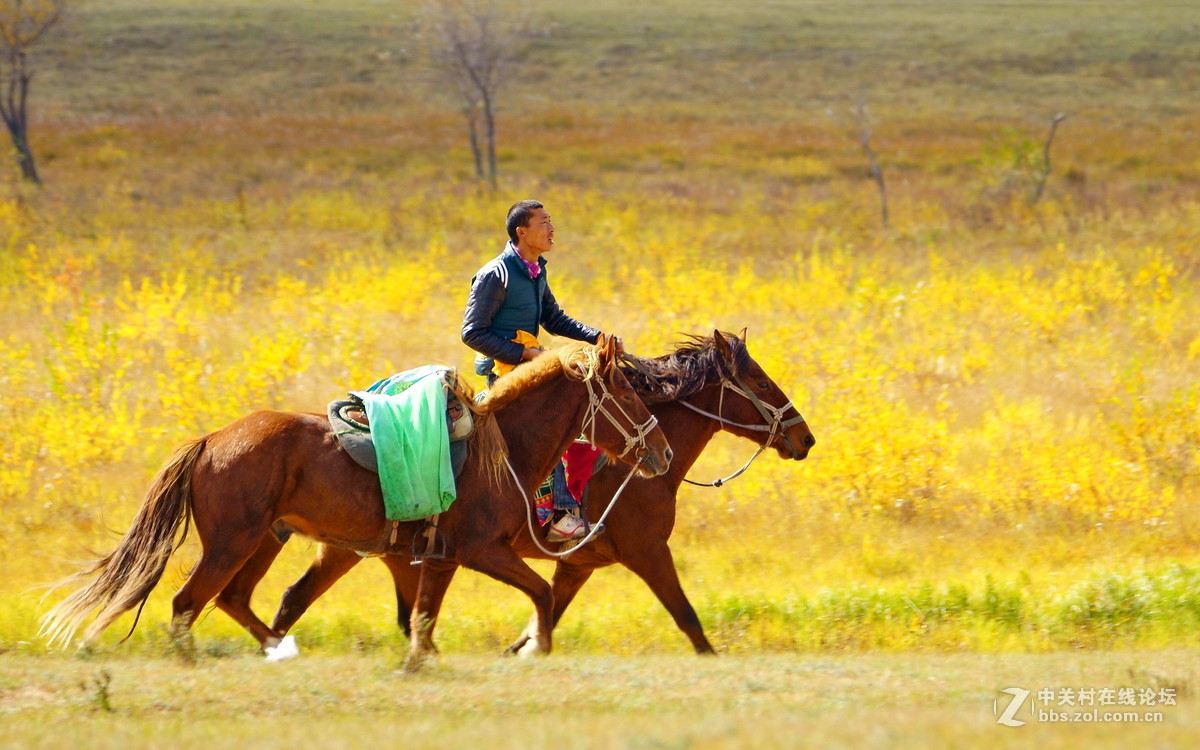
[(764, 384)]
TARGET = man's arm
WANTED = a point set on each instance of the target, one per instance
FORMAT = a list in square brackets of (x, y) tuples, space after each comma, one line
[(485, 300), (559, 323)]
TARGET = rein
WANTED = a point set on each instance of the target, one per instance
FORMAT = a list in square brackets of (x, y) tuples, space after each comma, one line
[(595, 527), (772, 414)]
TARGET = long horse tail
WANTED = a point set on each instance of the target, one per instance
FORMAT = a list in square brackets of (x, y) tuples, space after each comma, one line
[(129, 573)]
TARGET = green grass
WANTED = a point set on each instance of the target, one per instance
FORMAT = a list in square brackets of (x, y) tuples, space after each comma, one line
[(710, 61), (1091, 607), (868, 701)]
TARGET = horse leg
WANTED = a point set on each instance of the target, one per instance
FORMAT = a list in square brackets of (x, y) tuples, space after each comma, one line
[(567, 581), (434, 579), (406, 577), (506, 566), (498, 561), (218, 564), (234, 599), (655, 565), (330, 564)]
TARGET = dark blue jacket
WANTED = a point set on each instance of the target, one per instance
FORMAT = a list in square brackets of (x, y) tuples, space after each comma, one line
[(504, 299)]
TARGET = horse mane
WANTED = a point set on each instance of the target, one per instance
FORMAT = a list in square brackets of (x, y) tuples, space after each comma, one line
[(695, 363), (487, 439), (530, 375)]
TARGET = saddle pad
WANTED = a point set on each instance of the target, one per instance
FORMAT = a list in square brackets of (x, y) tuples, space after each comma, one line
[(412, 447), (581, 461)]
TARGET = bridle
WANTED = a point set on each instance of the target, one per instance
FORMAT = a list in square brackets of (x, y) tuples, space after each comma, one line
[(776, 425), (596, 405)]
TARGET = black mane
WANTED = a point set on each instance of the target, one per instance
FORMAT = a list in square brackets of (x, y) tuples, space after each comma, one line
[(694, 364)]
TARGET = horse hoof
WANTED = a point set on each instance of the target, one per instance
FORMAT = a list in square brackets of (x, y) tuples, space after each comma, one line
[(285, 649), (529, 650), (412, 664)]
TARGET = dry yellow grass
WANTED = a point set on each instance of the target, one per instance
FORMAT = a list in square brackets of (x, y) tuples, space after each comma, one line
[(861, 701)]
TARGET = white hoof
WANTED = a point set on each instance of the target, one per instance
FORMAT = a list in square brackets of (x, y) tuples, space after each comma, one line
[(285, 649), (529, 650)]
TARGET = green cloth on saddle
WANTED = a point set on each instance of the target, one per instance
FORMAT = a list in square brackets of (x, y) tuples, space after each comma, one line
[(412, 443)]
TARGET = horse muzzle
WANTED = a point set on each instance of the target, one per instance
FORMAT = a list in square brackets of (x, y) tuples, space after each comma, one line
[(796, 442), (655, 463)]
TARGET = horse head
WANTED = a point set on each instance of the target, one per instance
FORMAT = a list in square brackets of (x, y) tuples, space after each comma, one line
[(628, 431), (764, 413)]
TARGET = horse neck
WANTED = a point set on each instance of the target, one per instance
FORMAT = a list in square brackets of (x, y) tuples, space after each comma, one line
[(540, 425), (687, 432)]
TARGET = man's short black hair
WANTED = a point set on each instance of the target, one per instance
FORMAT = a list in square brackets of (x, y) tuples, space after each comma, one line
[(519, 216)]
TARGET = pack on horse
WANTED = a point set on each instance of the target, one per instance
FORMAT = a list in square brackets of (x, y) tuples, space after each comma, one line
[(271, 468), (705, 385)]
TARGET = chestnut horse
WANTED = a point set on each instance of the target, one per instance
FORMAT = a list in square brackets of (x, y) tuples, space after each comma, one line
[(705, 385), (287, 470)]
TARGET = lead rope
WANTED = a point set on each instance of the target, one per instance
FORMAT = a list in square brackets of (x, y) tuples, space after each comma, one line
[(595, 528), (734, 475)]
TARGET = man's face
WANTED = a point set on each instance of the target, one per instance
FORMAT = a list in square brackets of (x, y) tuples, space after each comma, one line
[(538, 235)]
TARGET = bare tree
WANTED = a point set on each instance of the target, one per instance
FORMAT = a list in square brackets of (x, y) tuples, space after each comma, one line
[(23, 23), (860, 126), (1044, 172), (472, 47)]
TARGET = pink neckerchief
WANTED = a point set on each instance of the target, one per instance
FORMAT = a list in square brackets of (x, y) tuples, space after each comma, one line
[(535, 269)]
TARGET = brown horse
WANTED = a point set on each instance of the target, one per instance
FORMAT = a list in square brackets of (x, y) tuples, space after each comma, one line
[(704, 386), (277, 469)]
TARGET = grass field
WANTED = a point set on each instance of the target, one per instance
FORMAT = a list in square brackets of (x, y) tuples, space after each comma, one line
[(915, 701), (267, 206)]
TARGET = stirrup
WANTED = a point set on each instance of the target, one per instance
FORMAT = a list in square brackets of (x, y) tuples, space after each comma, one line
[(435, 543)]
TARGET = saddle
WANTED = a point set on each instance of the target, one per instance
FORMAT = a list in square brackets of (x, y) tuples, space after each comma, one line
[(348, 418)]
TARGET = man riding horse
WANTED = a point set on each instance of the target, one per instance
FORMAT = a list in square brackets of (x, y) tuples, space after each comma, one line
[(510, 299)]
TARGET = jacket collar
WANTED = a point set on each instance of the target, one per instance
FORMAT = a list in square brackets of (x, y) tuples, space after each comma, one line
[(510, 250)]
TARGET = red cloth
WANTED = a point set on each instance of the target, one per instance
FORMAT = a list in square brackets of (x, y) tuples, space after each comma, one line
[(580, 463)]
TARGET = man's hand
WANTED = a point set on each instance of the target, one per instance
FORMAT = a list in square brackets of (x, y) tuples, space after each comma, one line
[(530, 353)]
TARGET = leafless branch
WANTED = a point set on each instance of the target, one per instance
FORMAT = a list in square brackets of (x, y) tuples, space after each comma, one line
[(1044, 175), (862, 131), (23, 23), (472, 48)]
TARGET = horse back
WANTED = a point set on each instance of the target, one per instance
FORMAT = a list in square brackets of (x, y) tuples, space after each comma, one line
[(277, 464)]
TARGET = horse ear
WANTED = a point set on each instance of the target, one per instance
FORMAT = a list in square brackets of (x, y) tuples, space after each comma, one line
[(742, 335), (721, 344), (604, 346)]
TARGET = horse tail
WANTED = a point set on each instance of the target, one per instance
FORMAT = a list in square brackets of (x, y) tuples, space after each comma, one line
[(130, 572)]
